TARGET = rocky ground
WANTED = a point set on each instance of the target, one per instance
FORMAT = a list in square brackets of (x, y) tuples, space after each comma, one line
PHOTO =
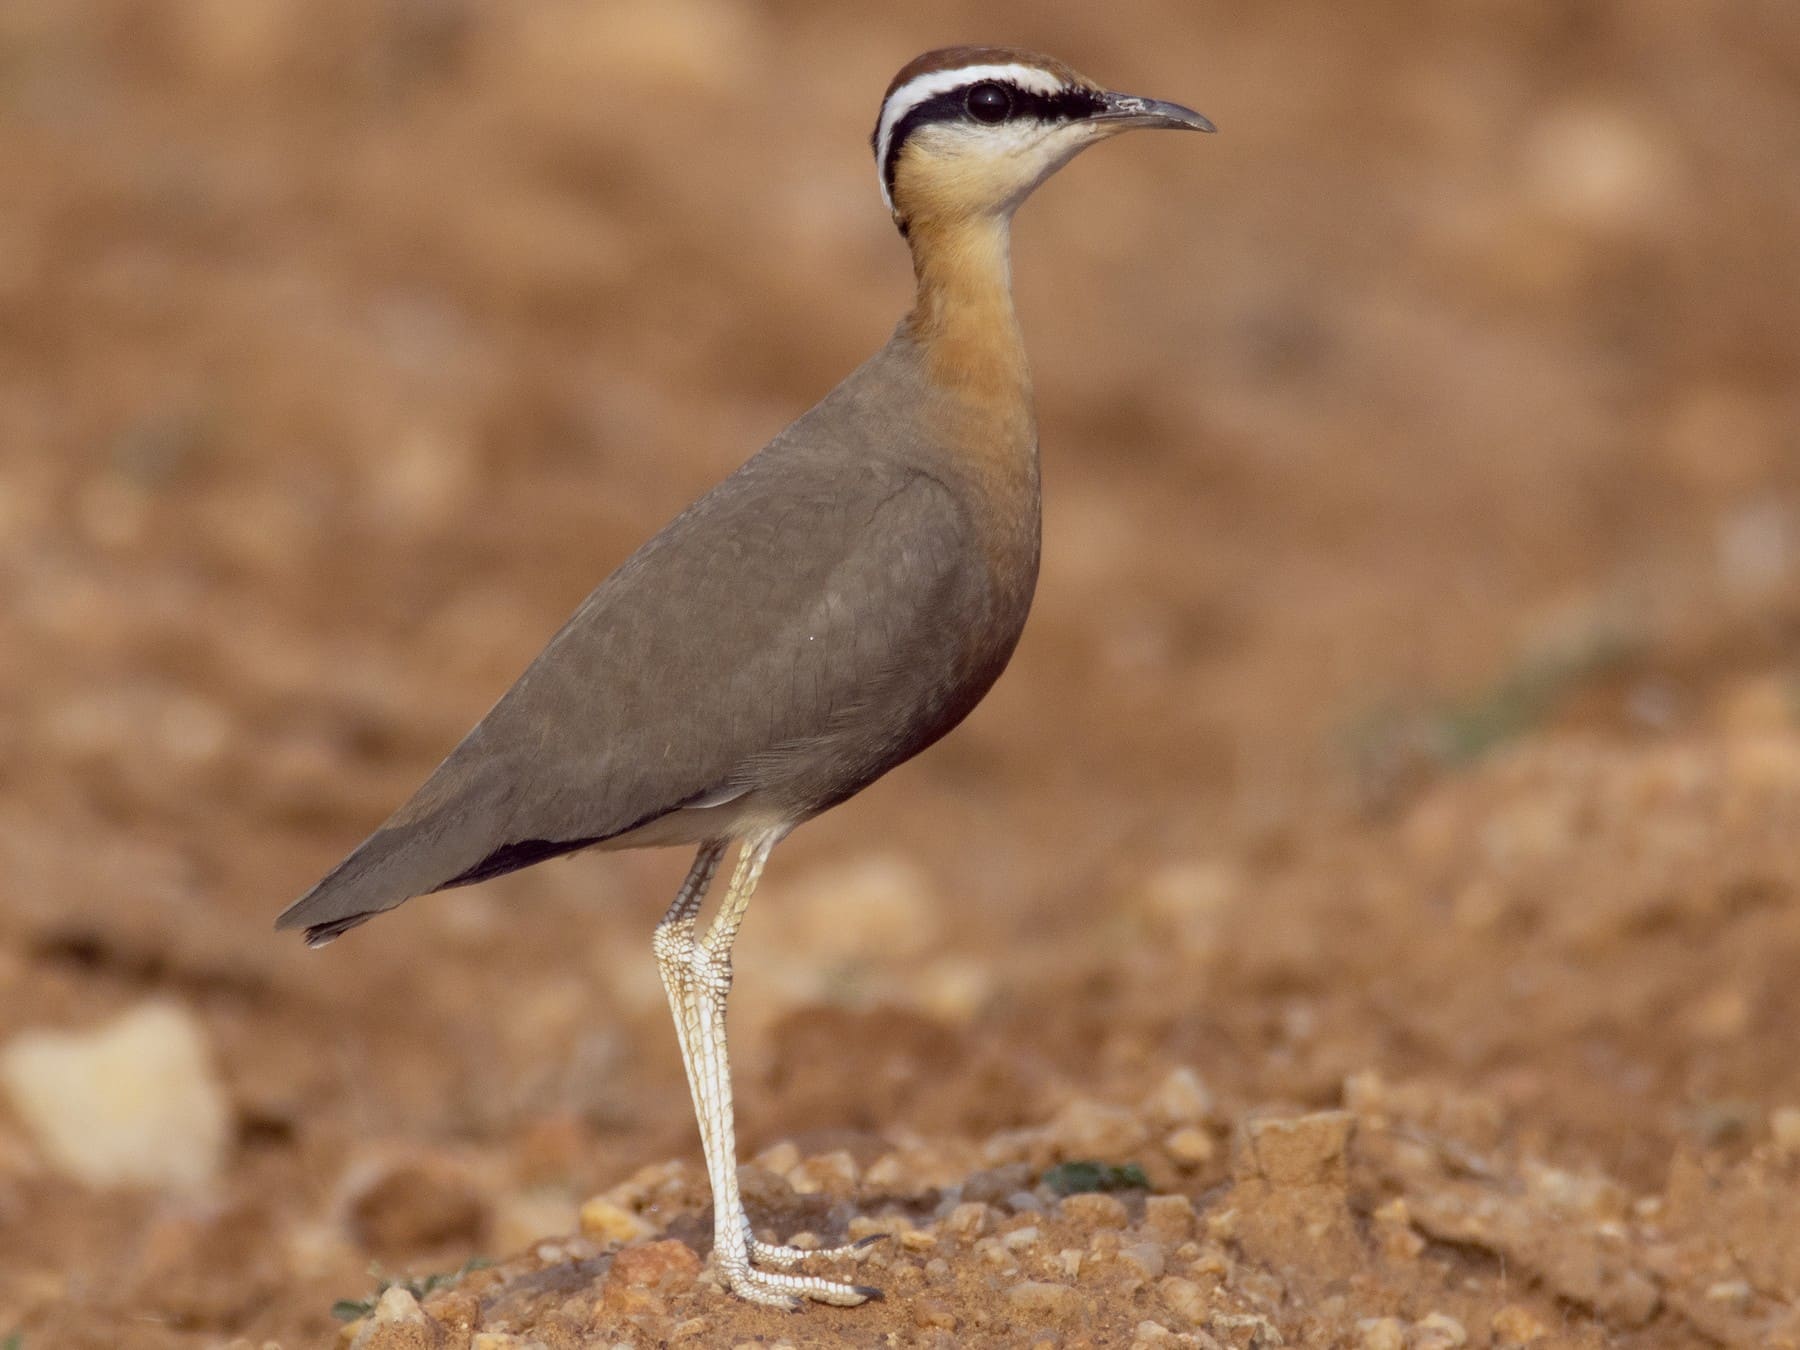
[(1368, 912)]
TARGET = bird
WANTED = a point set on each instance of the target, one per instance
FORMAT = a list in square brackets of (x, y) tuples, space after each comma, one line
[(826, 612)]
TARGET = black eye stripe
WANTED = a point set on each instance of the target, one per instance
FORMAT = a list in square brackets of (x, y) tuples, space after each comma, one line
[(1065, 105)]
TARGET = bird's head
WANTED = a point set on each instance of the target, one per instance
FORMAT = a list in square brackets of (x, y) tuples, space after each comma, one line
[(970, 131)]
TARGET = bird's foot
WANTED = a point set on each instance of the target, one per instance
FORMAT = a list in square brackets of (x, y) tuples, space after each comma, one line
[(786, 1258), (789, 1291), (737, 1267)]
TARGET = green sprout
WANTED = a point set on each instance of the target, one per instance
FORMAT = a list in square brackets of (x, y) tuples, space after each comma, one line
[(1072, 1178), (420, 1287)]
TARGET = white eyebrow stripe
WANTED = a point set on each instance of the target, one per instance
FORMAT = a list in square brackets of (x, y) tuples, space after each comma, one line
[(929, 85)]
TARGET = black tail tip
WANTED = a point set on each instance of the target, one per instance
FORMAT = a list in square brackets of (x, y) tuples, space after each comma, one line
[(318, 934)]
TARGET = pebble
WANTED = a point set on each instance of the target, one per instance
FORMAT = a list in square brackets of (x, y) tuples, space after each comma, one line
[(1094, 1210), (780, 1158), (605, 1221), (1784, 1128), (1091, 1129), (398, 1323), (993, 1252), (1020, 1238), (1298, 1151), (1184, 1298), (1394, 1230), (523, 1217), (1190, 1147), (1381, 1333), (394, 1207), (1146, 1259), (833, 1174), (133, 1103), (931, 1313), (1734, 1294), (1041, 1297), (889, 1172), (1180, 1099), (1514, 1325), (1438, 1331), (1169, 1217), (665, 1264), (969, 1220)]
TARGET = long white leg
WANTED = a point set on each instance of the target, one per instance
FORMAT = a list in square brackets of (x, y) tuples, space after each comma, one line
[(697, 977)]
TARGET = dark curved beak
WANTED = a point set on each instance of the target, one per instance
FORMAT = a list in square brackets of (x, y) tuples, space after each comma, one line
[(1128, 110)]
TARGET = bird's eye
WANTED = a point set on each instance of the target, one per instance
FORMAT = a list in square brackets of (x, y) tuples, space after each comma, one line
[(989, 102)]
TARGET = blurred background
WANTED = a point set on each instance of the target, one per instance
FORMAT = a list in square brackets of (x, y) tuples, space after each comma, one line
[(1413, 684)]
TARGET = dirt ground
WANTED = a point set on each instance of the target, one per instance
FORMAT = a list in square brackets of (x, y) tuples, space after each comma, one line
[(1387, 838)]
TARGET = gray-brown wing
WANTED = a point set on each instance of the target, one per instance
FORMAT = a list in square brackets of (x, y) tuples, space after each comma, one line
[(732, 651)]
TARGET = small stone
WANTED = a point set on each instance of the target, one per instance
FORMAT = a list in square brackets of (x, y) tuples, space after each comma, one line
[(1381, 1333), (833, 1174), (1184, 1298), (605, 1221), (522, 1217), (1147, 1334), (1180, 1099), (994, 1184), (1733, 1294), (1437, 1331), (1784, 1128), (457, 1311), (868, 1225), (1393, 1226), (918, 1239), (1090, 1129), (398, 1323), (412, 1205), (1020, 1238), (132, 1103), (780, 1158), (1190, 1147), (687, 1330), (1068, 1260), (665, 1265), (887, 1173), (968, 1220), (1042, 1298), (1094, 1210), (1297, 1151), (1145, 1259), (931, 1313), (1169, 1217), (1721, 1015), (1514, 1325)]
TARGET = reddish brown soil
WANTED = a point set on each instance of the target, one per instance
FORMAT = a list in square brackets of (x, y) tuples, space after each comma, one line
[(1407, 726)]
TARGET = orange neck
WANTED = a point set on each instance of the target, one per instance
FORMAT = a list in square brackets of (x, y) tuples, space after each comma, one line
[(963, 315)]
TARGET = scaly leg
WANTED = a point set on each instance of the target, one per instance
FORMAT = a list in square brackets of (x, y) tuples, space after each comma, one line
[(697, 977)]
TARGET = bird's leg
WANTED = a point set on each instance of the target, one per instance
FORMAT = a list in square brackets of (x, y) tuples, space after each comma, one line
[(697, 976), (673, 943)]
